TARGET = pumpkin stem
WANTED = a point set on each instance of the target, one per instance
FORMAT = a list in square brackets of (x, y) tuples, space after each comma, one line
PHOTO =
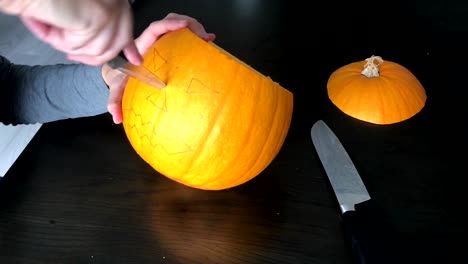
[(371, 69)]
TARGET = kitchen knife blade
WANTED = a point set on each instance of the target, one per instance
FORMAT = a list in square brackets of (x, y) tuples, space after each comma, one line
[(366, 232), (343, 176), (138, 72)]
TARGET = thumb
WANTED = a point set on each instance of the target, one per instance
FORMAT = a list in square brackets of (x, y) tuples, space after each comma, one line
[(116, 90)]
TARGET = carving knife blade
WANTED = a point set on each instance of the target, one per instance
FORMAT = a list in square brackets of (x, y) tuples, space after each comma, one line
[(343, 176), (138, 72), (365, 231)]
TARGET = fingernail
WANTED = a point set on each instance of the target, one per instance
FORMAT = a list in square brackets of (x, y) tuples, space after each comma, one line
[(139, 60), (182, 22), (118, 79)]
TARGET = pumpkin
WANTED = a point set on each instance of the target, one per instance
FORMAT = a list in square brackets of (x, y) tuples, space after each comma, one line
[(376, 91), (218, 122)]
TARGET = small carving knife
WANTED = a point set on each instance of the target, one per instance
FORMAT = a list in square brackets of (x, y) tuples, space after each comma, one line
[(138, 72), (364, 228)]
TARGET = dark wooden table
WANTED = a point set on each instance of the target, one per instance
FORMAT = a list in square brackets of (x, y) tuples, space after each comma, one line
[(80, 194)]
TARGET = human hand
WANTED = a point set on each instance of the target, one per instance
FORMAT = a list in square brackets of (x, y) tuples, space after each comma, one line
[(116, 80), (88, 31)]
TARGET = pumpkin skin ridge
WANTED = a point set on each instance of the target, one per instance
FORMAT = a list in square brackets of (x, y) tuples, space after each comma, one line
[(199, 150), (337, 91), (212, 181), (154, 121), (286, 123), (368, 95), (408, 80), (139, 134), (223, 106), (344, 75), (387, 74), (413, 80), (394, 95), (142, 135), (246, 139), (253, 166), (408, 76), (347, 76), (183, 176), (246, 174), (373, 86), (402, 95), (380, 85), (349, 85), (277, 148), (151, 92), (287, 106)]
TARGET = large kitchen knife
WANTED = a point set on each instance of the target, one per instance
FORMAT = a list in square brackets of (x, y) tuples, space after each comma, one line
[(138, 72), (368, 236)]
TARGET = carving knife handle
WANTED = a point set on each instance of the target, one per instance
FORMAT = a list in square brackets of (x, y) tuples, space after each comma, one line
[(369, 237), (139, 72), (118, 61)]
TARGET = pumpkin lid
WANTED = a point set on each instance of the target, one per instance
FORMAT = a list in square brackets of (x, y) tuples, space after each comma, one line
[(376, 91)]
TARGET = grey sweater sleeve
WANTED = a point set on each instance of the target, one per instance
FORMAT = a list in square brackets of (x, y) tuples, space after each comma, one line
[(41, 94)]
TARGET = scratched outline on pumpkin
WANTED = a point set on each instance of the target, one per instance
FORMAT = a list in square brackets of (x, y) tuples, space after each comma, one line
[(155, 67), (162, 106), (156, 134), (156, 55), (191, 90), (160, 132)]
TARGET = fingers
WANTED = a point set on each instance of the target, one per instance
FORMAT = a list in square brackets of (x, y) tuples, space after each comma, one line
[(132, 54), (210, 37), (39, 29), (108, 42), (98, 46), (116, 112), (95, 44), (88, 31), (105, 47), (116, 90), (193, 24), (92, 58), (171, 22), (155, 30), (117, 81)]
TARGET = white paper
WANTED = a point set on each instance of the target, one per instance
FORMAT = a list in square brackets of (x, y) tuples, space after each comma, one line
[(13, 141)]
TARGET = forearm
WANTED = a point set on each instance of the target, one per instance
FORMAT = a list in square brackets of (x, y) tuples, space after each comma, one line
[(41, 94)]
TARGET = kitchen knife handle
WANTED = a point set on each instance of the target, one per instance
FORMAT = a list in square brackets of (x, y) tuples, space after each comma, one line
[(117, 62), (370, 238)]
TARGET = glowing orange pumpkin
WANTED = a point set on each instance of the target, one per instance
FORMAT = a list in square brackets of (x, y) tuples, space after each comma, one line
[(376, 91), (217, 124)]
